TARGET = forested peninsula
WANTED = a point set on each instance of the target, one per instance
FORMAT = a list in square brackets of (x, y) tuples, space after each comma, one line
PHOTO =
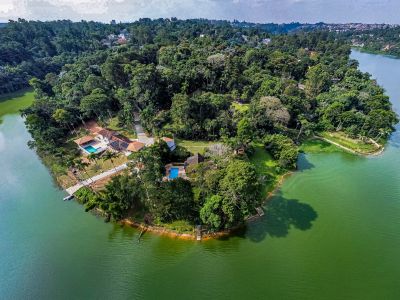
[(199, 119)]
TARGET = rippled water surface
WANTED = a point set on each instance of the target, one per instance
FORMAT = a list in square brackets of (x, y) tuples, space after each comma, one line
[(332, 232)]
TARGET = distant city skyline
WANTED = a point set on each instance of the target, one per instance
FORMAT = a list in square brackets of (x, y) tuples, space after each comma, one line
[(259, 11)]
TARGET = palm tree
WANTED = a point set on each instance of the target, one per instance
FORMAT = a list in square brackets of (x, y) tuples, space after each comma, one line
[(93, 157), (81, 166), (110, 156), (72, 167)]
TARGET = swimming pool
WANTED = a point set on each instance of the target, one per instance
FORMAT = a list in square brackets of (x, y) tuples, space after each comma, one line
[(173, 173), (90, 149)]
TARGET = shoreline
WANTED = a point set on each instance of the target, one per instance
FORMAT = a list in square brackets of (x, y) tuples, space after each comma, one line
[(159, 230), (374, 52), (163, 231), (170, 233)]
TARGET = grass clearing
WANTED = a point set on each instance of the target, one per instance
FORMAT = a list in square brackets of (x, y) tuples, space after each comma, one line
[(195, 146), (266, 167), (318, 146), (353, 144), (101, 165)]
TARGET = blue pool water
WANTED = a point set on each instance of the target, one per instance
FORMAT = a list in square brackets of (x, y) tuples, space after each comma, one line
[(173, 173), (90, 149)]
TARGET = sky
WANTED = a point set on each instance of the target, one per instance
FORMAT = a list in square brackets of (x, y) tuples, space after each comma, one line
[(260, 11)]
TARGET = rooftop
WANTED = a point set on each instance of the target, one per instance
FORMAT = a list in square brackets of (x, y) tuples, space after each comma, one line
[(135, 146), (106, 133), (119, 143), (194, 160), (167, 139), (84, 140)]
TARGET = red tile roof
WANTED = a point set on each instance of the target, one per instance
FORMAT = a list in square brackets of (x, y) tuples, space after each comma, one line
[(83, 140), (106, 133), (135, 146)]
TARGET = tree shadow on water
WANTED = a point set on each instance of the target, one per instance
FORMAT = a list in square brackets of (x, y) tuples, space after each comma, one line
[(304, 164), (280, 216)]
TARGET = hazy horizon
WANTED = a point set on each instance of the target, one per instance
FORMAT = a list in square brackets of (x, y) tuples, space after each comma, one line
[(257, 11)]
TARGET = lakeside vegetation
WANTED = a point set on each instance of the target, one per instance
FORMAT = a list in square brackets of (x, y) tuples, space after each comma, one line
[(245, 104), (379, 41)]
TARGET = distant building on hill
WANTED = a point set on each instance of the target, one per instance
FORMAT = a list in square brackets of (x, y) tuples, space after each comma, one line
[(266, 41)]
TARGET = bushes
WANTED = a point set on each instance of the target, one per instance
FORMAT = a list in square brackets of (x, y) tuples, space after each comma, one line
[(85, 195), (282, 149)]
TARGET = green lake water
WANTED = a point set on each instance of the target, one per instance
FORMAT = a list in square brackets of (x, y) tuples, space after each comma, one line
[(332, 232)]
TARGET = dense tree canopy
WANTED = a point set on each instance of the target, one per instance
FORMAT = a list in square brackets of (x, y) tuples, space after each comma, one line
[(193, 79)]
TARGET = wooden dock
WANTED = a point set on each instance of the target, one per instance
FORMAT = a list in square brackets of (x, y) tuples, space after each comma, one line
[(144, 229), (198, 232), (260, 211)]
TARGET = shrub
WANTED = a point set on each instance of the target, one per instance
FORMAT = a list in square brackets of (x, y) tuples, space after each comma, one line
[(84, 195), (283, 149)]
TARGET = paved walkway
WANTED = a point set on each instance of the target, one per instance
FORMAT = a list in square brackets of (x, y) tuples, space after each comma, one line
[(71, 190), (141, 135)]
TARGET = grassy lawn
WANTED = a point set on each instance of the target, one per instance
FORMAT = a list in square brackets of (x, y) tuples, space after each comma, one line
[(66, 181), (101, 165), (265, 166), (318, 146), (195, 146), (91, 170), (12, 103), (353, 144), (113, 124)]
